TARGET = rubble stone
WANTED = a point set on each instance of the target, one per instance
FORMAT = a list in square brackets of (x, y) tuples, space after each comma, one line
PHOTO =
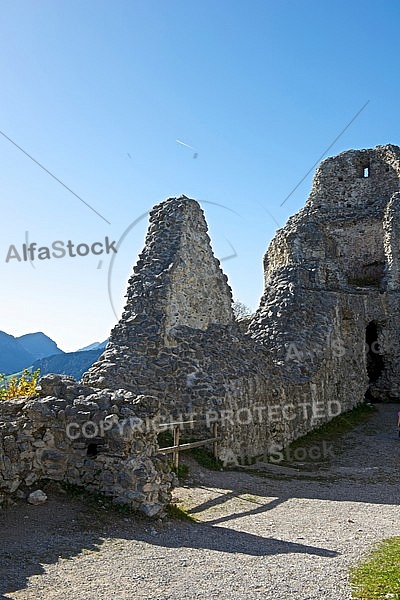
[(324, 338)]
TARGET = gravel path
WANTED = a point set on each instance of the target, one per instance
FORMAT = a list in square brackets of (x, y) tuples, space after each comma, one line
[(278, 533)]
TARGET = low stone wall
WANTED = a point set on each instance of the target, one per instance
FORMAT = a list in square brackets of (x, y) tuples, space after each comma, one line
[(91, 438)]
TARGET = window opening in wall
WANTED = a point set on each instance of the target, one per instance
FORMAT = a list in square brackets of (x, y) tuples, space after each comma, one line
[(366, 172), (92, 450)]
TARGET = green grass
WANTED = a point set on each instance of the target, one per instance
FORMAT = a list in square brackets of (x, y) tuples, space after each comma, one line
[(177, 512), (343, 423), (378, 577), (182, 471), (206, 459), (331, 432)]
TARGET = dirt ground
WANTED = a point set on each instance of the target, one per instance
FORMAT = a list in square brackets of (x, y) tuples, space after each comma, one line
[(267, 532)]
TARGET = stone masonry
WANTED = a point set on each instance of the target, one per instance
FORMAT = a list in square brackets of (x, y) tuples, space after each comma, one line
[(332, 280), (331, 291), (90, 438), (324, 338), (176, 284)]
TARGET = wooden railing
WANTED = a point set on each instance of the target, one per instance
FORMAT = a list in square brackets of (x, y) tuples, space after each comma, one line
[(177, 447)]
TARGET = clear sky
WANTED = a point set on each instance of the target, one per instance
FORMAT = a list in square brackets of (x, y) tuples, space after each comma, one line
[(98, 92)]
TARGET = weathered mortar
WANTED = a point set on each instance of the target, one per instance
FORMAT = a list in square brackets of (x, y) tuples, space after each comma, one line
[(325, 273), (333, 270), (332, 282), (86, 437)]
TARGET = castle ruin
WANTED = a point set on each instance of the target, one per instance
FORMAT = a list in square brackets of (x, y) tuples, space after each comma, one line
[(324, 338)]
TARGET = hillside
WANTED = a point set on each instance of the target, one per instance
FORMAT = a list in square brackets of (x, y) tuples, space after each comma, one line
[(94, 346), (67, 363), (13, 356), (39, 345)]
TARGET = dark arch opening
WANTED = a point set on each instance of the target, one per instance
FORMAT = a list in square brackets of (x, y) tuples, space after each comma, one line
[(375, 364)]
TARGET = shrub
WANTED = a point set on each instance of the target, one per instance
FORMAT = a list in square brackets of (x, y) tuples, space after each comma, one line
[(15, 387)]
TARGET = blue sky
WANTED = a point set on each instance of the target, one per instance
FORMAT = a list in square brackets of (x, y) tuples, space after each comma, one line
[(260, 89)]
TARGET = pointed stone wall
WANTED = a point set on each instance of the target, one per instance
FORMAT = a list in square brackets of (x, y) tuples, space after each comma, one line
[(177, 282)]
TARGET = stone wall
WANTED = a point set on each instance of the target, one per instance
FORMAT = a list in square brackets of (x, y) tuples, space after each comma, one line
[(331, 286), (363, 242), (326, 279), (332, 271), (176, 282), (92, 438)]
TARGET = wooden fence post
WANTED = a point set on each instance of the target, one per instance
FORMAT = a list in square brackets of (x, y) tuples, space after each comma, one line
[(215, 444), (178, 447), (177, 433)]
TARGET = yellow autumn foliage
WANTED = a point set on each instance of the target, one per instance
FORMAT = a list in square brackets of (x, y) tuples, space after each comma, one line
[(15, 387)]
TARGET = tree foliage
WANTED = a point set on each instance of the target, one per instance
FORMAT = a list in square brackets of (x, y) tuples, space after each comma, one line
[(240, 310), (15, 387)]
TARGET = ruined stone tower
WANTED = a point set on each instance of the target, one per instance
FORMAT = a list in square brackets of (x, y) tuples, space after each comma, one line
[(177, 283), (332, 278)]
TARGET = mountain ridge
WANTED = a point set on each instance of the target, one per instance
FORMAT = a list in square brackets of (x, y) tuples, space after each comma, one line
[(39, 344), (38, 351)]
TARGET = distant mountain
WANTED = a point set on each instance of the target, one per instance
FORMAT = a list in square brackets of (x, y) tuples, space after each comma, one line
[(37, 351), (67, 363), (94, 346), (39, 345), (13, 356)]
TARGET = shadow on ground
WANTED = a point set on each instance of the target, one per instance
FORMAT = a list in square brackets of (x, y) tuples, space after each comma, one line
[(33, 537), (66, 527)]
